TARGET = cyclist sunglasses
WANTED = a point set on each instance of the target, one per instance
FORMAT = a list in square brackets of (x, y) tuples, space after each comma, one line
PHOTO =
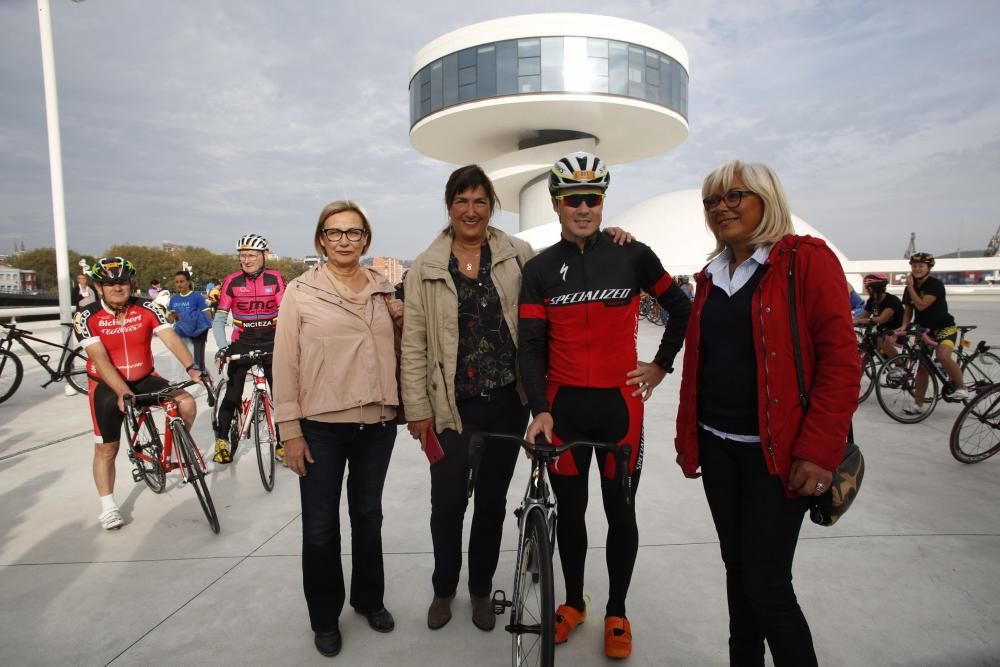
[(592, 199)]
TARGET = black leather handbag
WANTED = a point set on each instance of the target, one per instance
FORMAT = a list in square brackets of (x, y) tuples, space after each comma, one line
[(827, 508)]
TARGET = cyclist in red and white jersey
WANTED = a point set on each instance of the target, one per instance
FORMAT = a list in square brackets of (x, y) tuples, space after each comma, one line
[(252, 296), (116, 332)]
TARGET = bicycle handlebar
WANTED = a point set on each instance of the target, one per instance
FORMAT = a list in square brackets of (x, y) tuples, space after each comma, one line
[(622, 453), (159, 395), (253, 355)]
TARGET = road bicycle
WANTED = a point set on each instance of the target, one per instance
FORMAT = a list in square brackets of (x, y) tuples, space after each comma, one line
[(895, 382), (72, 364), (975, 436), (256, 413), (532, 603), (871, 356), (153, 458)]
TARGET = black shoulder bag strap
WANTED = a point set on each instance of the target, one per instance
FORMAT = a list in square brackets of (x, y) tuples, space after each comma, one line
[(793, 317)]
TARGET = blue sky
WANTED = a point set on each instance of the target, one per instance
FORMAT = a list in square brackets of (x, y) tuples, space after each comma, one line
[(195, 122)]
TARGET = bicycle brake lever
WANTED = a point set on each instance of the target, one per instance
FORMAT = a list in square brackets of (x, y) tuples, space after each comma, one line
[(206, 380)]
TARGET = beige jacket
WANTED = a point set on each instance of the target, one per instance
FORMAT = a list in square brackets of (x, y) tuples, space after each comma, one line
[(331, 362), (430, 330)]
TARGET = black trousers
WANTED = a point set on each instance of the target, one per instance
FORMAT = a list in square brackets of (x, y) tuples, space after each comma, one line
[(198, 343), (501, 411), (365, 452), (758, 529)]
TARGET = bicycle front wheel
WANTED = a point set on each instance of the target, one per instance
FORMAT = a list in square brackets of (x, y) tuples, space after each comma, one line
[(146, 453), (976, 433), (193, 469), (264, 438), (532, 622), (11, 373), (981, 371), (75, 371), (896, 386), (220, 391)]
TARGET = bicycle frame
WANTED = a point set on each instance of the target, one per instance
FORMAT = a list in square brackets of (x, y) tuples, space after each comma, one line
[(259, 387), (20, 335), (168, 459)]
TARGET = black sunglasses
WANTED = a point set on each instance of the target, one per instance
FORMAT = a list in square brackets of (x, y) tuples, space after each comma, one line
[(731, 198), (592, 199)]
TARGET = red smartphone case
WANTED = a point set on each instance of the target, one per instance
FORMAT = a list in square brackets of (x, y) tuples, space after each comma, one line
[(432, 447)]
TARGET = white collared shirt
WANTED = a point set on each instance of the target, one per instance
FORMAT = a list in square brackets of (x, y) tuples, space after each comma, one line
[(718, 270)]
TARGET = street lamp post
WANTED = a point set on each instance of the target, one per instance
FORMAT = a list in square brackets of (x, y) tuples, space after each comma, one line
[(55, 159)]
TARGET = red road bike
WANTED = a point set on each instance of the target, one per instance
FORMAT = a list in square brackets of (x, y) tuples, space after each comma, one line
[(153, 458)]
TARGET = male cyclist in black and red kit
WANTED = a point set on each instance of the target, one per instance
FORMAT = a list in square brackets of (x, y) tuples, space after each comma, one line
[(117, 331), (252, 295), (578, 327)]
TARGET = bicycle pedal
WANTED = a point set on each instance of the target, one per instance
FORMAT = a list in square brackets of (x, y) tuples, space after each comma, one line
[(500, 603), (136, 475)]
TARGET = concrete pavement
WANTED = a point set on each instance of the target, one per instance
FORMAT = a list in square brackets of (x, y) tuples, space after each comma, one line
[(910, 577)]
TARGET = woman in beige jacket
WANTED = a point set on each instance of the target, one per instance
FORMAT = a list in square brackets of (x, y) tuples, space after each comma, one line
[(335, 399), (459, 374)]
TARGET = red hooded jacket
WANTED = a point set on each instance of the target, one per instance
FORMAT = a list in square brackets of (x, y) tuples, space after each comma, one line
[(829, 359)]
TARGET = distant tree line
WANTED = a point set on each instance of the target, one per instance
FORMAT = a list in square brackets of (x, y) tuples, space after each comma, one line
[(150, 263)]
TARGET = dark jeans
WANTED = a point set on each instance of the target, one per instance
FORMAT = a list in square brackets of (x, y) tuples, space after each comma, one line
[(758, 529), (366, 452), (500, 412), (198, 343)]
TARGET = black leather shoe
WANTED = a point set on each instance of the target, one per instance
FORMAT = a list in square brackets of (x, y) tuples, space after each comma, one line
[(381, 620), (329, 643)]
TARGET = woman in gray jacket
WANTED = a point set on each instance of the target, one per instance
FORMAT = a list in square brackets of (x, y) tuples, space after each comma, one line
[(459, 375)]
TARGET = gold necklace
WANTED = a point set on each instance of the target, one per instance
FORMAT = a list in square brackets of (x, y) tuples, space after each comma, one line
[(468, 263)]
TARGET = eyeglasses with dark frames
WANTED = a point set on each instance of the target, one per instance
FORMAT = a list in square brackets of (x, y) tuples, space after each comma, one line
[(353, 234), (592, 199), (732, 199)]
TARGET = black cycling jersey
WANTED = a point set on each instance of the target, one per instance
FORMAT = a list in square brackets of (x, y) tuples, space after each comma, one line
[(935, 316), (579, 315), (874, 309)]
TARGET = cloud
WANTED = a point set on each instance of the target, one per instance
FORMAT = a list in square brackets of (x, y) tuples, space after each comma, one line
[(196, 122)]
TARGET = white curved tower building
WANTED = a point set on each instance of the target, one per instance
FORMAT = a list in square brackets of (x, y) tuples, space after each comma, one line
[(515, 94)]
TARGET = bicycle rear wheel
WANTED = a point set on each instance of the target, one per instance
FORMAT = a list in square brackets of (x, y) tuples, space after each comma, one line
[(192, 467), (75, 371), (976, 433), (895, 389), (11, 373), (264, 438), (981, 370), (532, 622), (147, 454), (868, 372)]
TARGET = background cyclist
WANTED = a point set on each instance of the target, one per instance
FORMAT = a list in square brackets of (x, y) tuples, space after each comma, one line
[(883, 309), (578, 319), (116, 331), (924, 303), (252, 295)]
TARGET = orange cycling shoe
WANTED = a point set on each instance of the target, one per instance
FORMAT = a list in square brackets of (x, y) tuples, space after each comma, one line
[(567, 618), (617, 637)]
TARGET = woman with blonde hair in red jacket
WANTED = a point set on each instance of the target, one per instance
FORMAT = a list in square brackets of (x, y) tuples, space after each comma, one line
[(762, 455)]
